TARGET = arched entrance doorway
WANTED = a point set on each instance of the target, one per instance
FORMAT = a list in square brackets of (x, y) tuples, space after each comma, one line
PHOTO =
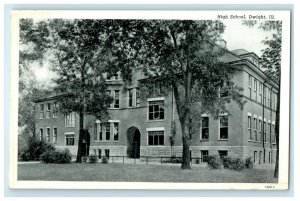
[(133, 142)]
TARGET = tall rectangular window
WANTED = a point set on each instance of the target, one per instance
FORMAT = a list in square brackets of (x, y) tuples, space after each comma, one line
[(204, 128), (255, 89), (54, 110), (41, 111), (274, 135), (41, 134), (260, 92), (70, 139), (54, 135), (70, 120), (116, 102), (48, 135), (270, 132), (156, 110), (155, 137), (224, 127), (98, 131), (204, 154), (268, 97), (130, 97), (275, 101), (249, 128), (260, 129), (137, 97), (250, 86), (107, 131), (264, 95), (116, 131), (265, 132), (255, 129), (48, 110)]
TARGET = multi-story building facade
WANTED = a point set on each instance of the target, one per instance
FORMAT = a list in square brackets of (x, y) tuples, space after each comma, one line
[(142, 127)]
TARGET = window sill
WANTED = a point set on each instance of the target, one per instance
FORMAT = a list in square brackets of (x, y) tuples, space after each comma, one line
[(223, 139), (204, 140), (158, 120)]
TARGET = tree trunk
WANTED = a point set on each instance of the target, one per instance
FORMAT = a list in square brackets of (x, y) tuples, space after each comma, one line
[(80, 140), (185, 165), (277, 134)]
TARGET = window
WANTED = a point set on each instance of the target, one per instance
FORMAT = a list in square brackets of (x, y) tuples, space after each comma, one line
[(204, 128), (130, 97), (137, 97), (70, 140), (70, 120), (249, 128), (275, 101), (155, 137), (264, 95), (255, 89), (204, 154), (48, 110), (107, 153), (112, 76), (268, 97), (222, 154), (41, 111), (116, 101), (274, 136), (107, 131), (99, 153), (48, 135), (156, 110), (250, 86), (98, 131), (265, 132), (270, 157), (255, 129), (260, 129), (260, 92), (54, 110), (54, 135), (41, 134), (224, 127), (270, 132), (116, 131), (255, 155)]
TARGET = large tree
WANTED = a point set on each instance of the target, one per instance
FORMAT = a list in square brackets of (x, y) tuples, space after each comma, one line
[(31, 50), (271, 64), (183, 57), (80, 59)]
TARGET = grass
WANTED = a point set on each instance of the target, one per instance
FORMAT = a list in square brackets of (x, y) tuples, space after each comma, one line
[(140, 173)]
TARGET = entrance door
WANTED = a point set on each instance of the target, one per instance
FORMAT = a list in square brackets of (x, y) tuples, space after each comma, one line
[(134, 142)]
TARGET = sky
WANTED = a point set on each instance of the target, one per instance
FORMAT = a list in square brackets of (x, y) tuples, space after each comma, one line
[(240, 36), (236, 35)]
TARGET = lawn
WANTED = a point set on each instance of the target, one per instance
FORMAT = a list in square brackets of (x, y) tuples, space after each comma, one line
[(140, 173)]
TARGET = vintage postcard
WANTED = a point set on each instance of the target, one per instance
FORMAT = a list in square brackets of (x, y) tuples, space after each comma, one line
[(150, 99)]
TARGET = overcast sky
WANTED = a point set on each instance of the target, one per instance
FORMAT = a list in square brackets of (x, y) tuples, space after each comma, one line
[(237, 36)]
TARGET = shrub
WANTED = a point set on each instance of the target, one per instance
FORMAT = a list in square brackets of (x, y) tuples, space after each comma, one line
[(38, 147), (104, 159), (56, 156), (93, 159), (236, 164), (176, 159), (226, 162), (249, 163), (25, 156), (213, 162)]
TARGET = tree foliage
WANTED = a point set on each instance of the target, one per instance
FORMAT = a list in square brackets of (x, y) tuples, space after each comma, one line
[(183, 57)]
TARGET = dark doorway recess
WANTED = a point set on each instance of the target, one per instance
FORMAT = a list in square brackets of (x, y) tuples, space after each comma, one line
[(133, 142)]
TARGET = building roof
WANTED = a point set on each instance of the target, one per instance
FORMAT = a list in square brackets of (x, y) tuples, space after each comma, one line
[(240, 51)]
